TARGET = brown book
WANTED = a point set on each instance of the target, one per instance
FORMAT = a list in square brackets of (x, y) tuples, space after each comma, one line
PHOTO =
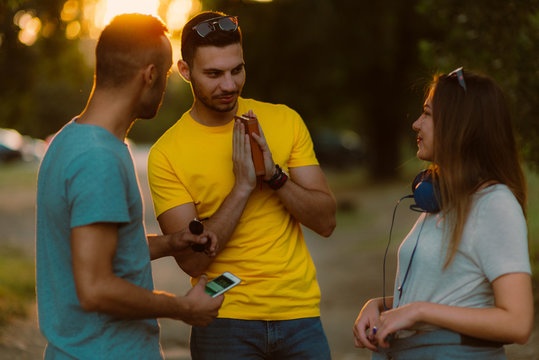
[(251, 126)]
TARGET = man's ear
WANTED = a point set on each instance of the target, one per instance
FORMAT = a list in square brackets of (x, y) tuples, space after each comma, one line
[(149, 75), (185, 72)]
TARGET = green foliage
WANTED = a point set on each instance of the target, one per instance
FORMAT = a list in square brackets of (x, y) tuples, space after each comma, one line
[(533, 220), (360, 65), (499, 38), (45, 84), (17, 283)]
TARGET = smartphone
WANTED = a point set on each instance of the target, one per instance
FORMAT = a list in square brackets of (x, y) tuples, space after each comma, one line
[(222, 283)]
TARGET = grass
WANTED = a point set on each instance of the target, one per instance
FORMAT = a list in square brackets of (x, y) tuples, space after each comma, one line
[(17, 283), (18, 176)]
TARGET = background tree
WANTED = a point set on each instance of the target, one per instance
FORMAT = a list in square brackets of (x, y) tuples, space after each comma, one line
[(359, 65), (46, 82), (364, 65)]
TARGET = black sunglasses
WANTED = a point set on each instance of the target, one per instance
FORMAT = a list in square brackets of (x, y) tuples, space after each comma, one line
[(460, 77), (225, 23)]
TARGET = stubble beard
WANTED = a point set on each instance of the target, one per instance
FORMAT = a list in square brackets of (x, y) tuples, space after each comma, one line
[(206, 101)]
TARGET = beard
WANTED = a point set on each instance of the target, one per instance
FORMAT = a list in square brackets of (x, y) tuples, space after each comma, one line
[(208, 102)]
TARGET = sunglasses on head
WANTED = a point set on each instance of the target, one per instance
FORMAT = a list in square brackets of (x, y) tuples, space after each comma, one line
[(224, 23), (460, 77)]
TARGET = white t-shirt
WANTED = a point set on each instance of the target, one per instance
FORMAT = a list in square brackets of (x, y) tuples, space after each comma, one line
[(494, 243)]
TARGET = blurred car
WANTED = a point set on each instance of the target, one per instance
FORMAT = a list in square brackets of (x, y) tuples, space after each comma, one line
[(14, 146), (10, 145), (338, 148)]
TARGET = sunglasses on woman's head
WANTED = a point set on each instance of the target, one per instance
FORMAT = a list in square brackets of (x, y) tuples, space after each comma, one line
[(224, 23), (460, 77)]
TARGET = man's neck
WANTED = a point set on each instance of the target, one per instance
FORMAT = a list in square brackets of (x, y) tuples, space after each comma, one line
[(209, 117), (109, 110)]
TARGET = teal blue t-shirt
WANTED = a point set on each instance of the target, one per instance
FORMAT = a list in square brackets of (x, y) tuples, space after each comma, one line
[(87, 176)]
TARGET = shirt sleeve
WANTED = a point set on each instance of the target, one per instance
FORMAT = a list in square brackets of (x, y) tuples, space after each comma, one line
[(501, 235), (303, 151), (96, 189), (166, 188)]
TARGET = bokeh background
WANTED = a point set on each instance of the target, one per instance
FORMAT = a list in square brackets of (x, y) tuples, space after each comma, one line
[(355, 70)]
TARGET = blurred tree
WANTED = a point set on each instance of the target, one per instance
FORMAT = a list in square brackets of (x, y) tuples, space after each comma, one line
[(340, 64), (45, 80), (362, 64), (359, 65), (499, 38)]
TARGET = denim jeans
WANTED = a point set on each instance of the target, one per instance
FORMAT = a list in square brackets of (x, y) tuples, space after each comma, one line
[(225, 339)]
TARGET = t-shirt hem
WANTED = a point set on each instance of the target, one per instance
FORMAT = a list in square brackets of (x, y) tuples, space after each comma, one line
[(269, 317), (101, 219)]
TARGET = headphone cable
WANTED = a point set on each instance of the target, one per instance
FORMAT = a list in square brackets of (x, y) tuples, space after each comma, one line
[(387, 248)]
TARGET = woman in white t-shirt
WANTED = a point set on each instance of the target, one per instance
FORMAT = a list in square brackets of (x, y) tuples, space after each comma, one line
[(463, 284)]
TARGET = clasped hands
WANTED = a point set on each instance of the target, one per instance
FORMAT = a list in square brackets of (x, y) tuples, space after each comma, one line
[(374, 328)]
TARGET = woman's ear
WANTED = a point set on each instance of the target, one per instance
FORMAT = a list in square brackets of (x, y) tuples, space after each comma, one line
[(185, 72)]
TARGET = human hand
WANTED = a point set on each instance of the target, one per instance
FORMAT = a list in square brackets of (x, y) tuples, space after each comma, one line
[(201, 308), (393, 320), (244, 170), (182, 239), (364, 326)]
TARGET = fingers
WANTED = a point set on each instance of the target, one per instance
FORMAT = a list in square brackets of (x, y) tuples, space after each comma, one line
[(362, 339), (212, 244), (202, 281), (219, 301)]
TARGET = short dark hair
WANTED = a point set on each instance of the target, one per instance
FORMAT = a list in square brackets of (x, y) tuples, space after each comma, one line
[(191, 41), (129, 42)]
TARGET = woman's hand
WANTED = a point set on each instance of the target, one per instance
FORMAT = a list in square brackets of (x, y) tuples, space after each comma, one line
[(364, 325), (403, 317)]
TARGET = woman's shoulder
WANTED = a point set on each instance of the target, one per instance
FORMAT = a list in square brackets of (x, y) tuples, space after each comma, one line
[(495, 193), (497, 201)]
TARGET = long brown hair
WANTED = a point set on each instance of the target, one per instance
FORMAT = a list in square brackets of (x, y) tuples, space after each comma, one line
[(474, 145)]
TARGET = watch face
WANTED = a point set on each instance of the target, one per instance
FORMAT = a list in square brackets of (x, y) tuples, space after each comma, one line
[(196, 227)]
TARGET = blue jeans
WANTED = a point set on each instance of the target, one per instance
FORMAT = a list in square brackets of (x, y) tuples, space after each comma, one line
[(231, 339)]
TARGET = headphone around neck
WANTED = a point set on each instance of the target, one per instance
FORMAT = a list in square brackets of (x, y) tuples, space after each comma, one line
[(426, 193)]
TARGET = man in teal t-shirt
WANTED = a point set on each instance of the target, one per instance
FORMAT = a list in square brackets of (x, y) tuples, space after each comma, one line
[(94, 281)]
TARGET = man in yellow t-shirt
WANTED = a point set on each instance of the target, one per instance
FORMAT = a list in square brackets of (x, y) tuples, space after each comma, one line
[(202, 168)]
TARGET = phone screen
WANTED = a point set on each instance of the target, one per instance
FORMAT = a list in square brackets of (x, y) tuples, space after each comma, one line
[(217, 285)]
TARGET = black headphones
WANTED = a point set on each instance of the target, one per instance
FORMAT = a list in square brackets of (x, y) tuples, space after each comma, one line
[(426, 193)]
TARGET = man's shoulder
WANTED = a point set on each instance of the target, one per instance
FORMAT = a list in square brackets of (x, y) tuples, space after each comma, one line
[(171, 133), (245, 102), (263, 107)]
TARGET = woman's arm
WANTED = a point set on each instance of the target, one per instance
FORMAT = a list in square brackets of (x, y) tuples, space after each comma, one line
[(509, 321)]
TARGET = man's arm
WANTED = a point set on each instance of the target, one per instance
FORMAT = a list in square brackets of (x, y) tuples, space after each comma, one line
[(306, 194), (99, 289), (175, 242), (224, 221), (307, 197)]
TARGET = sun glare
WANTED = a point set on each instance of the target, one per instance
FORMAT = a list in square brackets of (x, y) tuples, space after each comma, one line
[(116, 7), (174, 14)]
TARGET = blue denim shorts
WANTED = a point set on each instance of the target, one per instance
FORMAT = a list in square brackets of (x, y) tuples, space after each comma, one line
[(440, 345), (231, 339)]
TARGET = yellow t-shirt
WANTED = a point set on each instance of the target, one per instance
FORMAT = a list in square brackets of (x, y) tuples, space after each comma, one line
[(193, 163)]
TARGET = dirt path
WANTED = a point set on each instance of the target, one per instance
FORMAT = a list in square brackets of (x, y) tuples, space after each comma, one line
[(349, 266)]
